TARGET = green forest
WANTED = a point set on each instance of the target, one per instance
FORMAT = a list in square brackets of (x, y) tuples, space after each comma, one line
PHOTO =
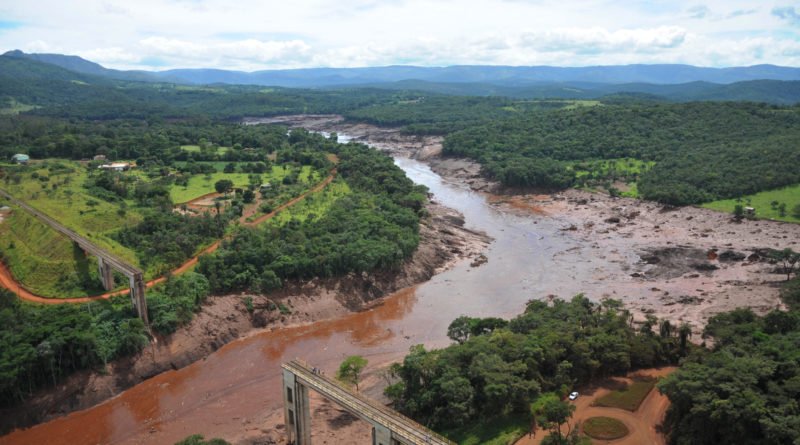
[(701, 151), (375, 226), (741, 386), (497, 369)]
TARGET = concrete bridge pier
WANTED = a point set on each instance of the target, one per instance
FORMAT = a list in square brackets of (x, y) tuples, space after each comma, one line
[(296, 410), (382, 435), (106, 273), (137, 296)]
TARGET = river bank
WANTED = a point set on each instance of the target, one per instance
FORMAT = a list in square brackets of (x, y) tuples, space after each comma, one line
[(544, 246), (224, 318), (684, 264)]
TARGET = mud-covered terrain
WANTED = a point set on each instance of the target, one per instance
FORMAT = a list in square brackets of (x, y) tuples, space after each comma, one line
[(443, 241), (685, 264)]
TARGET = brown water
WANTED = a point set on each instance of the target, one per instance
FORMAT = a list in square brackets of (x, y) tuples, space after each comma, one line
[(236, 387)]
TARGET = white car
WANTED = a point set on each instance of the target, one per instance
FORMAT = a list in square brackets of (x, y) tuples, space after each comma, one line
[(573, 395)]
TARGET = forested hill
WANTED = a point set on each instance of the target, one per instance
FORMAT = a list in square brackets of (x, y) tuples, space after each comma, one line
[(492, 74), (762, 83), (702, 151)]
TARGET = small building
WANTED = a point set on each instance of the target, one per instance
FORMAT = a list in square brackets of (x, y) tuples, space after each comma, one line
[(749, 211), (116, 166), (265, 187), (5, 209), (20, 158), (99, 157)]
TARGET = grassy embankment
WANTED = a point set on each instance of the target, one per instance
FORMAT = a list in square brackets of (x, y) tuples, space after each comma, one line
[(45, 262), (40, 258), (762, 202), (62, 196)]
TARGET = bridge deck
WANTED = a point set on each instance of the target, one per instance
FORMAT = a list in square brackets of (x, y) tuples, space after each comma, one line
[(88, 246), (365, 408)]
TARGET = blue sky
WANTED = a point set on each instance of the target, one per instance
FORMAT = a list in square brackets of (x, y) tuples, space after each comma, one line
[(258, 34)]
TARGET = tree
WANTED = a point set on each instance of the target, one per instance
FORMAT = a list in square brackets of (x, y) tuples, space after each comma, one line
[(558, 412), (684, 333), (789, 260), (738, 212), (665, 329), (223, 186), (459, 329), (796, 211), (350, 369), (248, 196)]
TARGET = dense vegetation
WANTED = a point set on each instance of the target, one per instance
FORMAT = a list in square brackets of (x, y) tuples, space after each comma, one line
[(746, 389), (40, 344), (500, 367), (433, 114), (702, 151), (372, 227)]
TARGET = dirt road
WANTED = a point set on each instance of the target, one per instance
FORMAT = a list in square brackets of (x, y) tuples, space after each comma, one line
[(641, 424), (8, 281)]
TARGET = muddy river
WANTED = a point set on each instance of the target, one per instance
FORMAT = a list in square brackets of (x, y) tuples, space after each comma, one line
[(234, 388)]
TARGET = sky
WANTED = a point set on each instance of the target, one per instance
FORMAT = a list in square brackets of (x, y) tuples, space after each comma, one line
[(253, 35)]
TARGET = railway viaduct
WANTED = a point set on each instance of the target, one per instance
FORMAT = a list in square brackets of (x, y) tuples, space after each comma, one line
[(107, 262), (388, 426)]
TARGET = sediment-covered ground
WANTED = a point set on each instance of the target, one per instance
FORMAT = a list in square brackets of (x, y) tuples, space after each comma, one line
[(685, 264), (443, 241)]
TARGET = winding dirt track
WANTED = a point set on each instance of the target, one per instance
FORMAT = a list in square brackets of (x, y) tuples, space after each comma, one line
[(642, 423), (7, 279)]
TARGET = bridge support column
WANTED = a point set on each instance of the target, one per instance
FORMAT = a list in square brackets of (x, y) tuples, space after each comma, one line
[(296, 410), (106, 273), (381, 435), (137, 296)]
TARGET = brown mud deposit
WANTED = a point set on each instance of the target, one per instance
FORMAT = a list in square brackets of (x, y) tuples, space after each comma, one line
[(443, 242), (667, 257), (673, 264)]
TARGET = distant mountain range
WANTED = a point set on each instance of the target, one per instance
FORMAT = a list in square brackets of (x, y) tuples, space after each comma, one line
[(520, 76), (765, 83)]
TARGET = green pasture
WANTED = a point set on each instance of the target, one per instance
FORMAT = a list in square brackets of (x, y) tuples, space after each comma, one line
[(763, 203), (201, 184), (63, 197), (316, 204), (197, 149)]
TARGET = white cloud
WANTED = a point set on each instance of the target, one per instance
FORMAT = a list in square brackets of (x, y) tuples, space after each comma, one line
[(600, 40), (253, 34), (237, 54)]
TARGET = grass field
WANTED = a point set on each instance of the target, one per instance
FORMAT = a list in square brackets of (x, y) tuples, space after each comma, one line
[(64, 198), (626, 170), (762, 202), (44, 261), (629, 398), (604, 428), (200, 185), (14, 107), (316, 204), (196, 149)]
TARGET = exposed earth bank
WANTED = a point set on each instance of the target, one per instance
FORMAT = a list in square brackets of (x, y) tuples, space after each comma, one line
[(443, 241), (685, 264)]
